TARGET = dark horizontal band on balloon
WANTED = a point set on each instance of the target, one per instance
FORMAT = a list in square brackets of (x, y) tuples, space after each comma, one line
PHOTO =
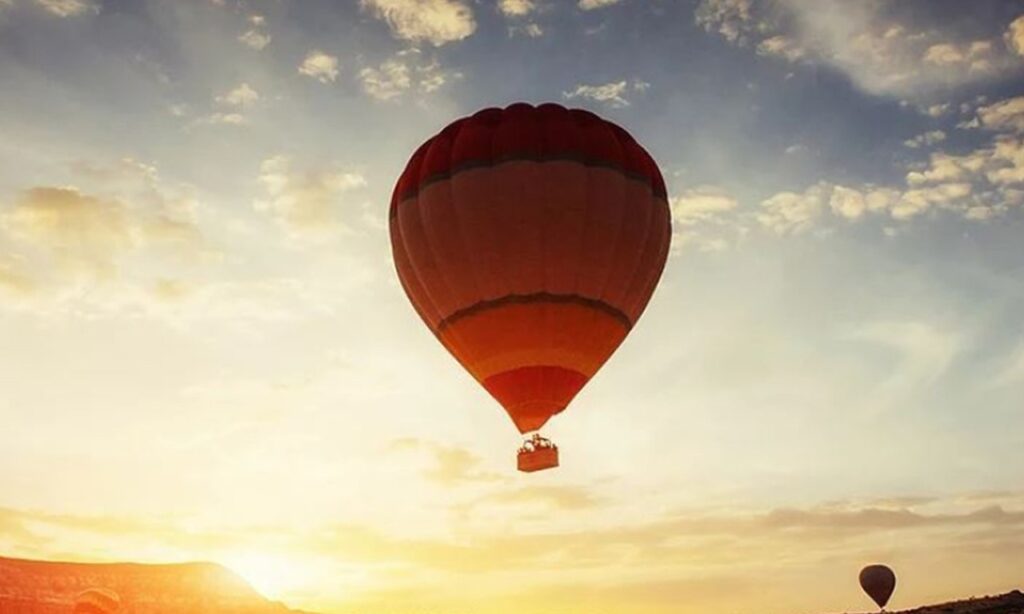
[(494, 163), (540, 297)]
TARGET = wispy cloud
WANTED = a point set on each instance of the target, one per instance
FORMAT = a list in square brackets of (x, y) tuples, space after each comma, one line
[(612, 94), (305, 201), (320, 66), (69, 8), (881, 54), (437, 22)]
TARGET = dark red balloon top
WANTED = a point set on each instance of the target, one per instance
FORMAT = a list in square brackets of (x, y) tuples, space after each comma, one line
[(523, 131)]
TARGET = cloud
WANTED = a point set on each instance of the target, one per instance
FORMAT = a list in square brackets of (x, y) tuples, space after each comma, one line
[(232, 119), (320, 66), (389, 80), (437, 22), (589, 5), (241, 97), (1015, 35), (307, 201), (926, 139), (977, 185), (450, 465), (701, 204), (516, 11), (729, 18), (1003, 115), (881, 53), (608, 93), (234, 102), (793, 212), (782, 46), (80, 230), (566, 498), (64, 232), (12, 280), (69, 8), (529, 30), (925, 350), (255, 39), (405, 72), (517, 8), (706, 218)]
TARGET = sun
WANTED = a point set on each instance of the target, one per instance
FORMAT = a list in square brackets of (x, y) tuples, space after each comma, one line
[(272, 575)]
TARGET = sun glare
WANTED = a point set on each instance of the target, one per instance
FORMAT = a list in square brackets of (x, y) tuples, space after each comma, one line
[(273, 576)]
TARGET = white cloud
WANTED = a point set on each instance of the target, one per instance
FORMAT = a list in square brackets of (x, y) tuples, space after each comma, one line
[(926, 139), (242, 97), (516, 8), (1007, 165), (405, 72), (881, 55), (234, 102), (925, 350), (1015, 35), (701, 204), (255, 39), (435, 21), (782, 46), (978, 185), (936, 110), (729, 18), (1003, 115), (917, 200), (69, 8), (320, 66), (387, 81), (57, 235), (589, 5), (612, 94), (529, 30), (307, 201), (231, 119), (847, 202), (793, 212)]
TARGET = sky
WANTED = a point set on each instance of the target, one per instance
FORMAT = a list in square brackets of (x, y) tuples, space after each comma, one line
[(205, 353)]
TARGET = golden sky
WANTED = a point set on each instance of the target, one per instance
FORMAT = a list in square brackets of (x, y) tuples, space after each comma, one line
[(205, 353)]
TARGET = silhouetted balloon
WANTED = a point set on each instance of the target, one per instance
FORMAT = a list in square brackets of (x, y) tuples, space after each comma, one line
[(97, 601), (878, 581), (529, 240)]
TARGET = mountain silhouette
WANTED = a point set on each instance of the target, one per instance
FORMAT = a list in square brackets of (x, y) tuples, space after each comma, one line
[(48, 587), (1007, 603)]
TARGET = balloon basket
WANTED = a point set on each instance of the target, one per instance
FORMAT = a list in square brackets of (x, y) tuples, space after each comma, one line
[(537, 454)]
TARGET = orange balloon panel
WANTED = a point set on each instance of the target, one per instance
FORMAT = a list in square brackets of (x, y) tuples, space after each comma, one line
[(530, 240)]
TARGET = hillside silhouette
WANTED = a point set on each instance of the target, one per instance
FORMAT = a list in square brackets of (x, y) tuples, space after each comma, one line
[(47, 587), (1007, 603)]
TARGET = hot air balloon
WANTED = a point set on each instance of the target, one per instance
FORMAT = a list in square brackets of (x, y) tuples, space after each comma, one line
[(97, 601), (878, 581), (529, 240)]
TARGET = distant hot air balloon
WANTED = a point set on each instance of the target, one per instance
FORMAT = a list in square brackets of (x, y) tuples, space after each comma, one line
[(878, 581), (529, 240), (97, 601)]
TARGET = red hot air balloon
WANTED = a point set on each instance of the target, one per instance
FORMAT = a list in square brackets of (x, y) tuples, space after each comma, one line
[(878, 581), (529, 240)]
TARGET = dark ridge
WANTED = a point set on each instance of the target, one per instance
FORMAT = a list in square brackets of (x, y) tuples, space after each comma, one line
[(51, 587)]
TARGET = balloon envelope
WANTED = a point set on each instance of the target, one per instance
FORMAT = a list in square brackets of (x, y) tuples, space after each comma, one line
[(529, 240), (878, 581)]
